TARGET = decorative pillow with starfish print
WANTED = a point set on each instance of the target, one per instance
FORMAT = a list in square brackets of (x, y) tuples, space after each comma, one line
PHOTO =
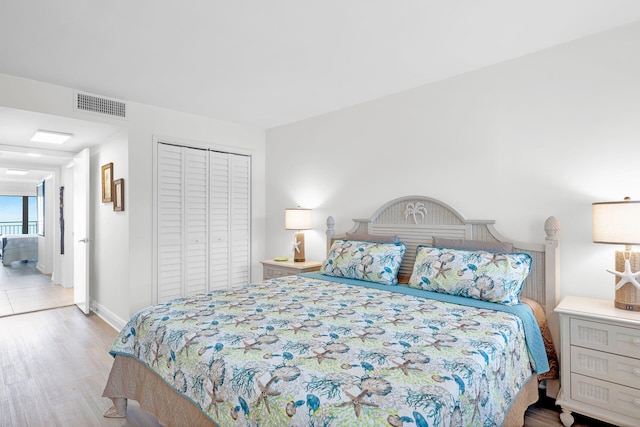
[(490, 276), (370, 261)]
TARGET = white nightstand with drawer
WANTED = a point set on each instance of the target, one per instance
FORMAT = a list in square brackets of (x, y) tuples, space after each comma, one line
[(272, 269), (599, 361)]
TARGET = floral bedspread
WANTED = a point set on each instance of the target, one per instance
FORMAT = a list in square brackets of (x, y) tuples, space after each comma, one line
[(300, 351)]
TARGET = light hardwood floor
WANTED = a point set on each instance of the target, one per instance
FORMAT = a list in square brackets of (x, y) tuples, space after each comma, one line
[(23, 289), (54, 365)]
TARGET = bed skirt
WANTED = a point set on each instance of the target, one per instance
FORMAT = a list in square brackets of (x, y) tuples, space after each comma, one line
[(130, 379)]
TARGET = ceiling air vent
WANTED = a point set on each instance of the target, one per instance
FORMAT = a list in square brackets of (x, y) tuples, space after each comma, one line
[(100, 105)]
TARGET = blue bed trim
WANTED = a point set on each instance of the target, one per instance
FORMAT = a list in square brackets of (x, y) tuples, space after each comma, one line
[(533, 337)]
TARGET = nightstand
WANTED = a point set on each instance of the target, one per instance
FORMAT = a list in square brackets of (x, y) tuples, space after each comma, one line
[(271, 268), (599, 361)]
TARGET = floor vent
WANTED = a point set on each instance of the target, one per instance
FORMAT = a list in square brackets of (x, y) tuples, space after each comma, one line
[(100, 105)]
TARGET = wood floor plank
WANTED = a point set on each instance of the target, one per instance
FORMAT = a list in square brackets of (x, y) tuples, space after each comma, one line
[(54, 365)]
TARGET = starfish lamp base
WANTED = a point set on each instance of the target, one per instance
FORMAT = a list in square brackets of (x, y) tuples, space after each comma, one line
[(627, 292), (298, 247)]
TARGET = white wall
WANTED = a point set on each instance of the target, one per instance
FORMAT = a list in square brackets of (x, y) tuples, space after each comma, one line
[(109, 245), (545, 134), (135, 290), (8, 188)]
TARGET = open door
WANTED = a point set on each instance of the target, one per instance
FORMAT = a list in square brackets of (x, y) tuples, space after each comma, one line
[(81, 230)]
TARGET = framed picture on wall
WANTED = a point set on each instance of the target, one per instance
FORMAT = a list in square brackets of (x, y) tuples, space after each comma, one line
[(118, 194), (107, 182)]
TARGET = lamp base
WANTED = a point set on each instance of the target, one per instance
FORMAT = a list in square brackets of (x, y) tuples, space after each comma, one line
[(298, 250), (628, 296)]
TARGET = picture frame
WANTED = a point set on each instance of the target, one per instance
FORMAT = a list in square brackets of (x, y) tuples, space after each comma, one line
[(118, 195), (107, 183)]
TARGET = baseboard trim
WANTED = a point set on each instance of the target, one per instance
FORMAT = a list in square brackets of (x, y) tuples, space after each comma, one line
[(108, 316)]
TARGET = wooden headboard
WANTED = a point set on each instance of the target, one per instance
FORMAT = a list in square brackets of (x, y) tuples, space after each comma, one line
[(417, 219)]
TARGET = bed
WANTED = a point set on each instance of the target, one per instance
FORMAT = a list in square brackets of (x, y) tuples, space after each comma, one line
[(18, 247), (353, 344)]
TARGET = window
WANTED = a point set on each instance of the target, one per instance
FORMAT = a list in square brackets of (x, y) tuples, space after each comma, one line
[(18, 215)]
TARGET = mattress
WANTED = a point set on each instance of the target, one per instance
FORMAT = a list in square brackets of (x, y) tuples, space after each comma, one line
[(18, 247)]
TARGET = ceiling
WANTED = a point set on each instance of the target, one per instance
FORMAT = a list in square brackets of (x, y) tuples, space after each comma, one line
[(40, 159), (267, 63)]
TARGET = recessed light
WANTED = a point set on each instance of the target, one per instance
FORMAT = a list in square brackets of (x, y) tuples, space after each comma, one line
[(50, 137), (34, 154), (17, 172)]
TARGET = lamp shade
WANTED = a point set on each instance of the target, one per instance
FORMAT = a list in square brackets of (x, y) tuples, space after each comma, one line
[(616, 222), (297, 219)]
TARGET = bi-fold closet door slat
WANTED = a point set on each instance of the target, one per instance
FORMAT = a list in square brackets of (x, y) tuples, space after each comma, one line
[(240, 225), (204, 220), (196, 204), (230, 213), (220, 217), (170, 184)]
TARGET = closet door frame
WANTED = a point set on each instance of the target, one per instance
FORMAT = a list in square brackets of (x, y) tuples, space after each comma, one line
[(182, 142)]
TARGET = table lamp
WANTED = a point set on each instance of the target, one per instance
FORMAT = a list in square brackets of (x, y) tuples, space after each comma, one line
[(618, 223), (297, 219)]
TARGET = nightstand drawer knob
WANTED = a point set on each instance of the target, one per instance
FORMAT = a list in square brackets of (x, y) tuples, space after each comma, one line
[(636, 402), (636, 341), (636, 372)]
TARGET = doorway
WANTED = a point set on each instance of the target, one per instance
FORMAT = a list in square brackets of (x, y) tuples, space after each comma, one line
[(23, 164)]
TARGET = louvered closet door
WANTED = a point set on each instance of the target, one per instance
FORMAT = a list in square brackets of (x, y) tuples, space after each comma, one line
[(230, 209), (240, 226), (170, 222), (203, 220), (196, 214), (219, 211)]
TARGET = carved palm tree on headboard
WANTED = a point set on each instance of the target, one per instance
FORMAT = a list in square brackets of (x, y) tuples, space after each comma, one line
[(415, 210)]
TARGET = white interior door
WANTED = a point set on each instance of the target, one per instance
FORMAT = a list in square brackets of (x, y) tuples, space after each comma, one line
[(81, 230)]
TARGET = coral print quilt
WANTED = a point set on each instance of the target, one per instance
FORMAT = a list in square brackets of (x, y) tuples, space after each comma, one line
[(303, 351)]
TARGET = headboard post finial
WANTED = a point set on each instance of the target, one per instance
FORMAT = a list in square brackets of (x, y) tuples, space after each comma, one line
[(552, 228), (331, 231)]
